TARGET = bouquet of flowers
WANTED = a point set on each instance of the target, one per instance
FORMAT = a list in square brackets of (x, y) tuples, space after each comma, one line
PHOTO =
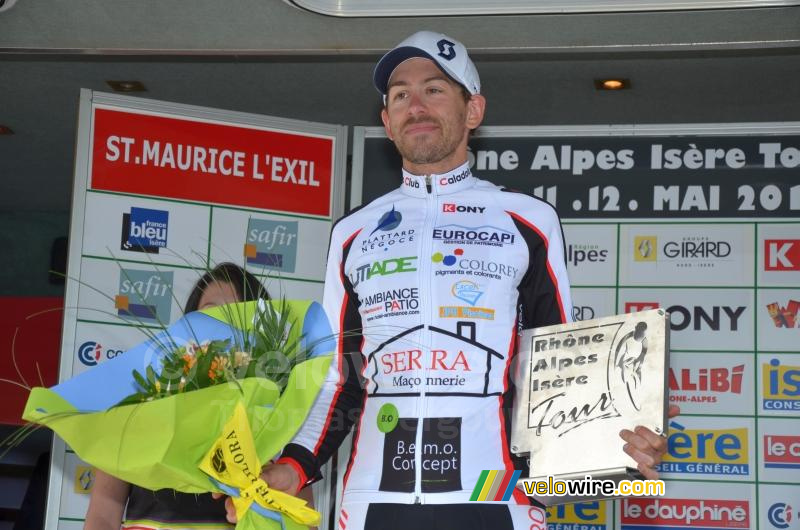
[(202, 405)]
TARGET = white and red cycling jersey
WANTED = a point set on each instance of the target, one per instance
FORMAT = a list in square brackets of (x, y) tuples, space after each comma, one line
[(429, 285)]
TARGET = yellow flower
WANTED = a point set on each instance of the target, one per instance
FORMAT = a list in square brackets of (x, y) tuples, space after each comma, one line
[(240, 358)]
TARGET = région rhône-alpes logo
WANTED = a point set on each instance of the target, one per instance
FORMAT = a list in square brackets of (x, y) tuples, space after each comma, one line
[(271, 244), (144, 230), (145, 296)]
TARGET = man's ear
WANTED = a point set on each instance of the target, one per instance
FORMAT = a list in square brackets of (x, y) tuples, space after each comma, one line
[(476, 106), (385, 119)]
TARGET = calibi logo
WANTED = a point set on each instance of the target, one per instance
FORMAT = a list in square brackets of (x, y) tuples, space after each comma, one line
[(781, 386), (460, 264), (90, 353), (144, 296), (781, 451), (383, 268), (580, 515), (453, 234), (450, 207), (704, 384), (785, 317), (577, 254), (271, 244), (706, 451), (718, 318), (780, 515), (144, 230), (782, 254), (645, 248), (685, 513)]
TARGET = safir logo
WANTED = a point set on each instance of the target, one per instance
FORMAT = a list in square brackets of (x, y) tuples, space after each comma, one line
[(145, 296), (271, 244), (144, 230)]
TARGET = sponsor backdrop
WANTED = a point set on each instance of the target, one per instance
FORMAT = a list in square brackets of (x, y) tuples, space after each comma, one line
[(164, 192), (701, 220)]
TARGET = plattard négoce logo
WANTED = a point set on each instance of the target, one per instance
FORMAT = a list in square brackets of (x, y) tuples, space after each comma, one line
[(271, 244), (453, 234), (458, 263), (145, 296), (780, 385), (144, 230), (90, 353), (639, 514), (706, 451), (785, 317), (388, 221)]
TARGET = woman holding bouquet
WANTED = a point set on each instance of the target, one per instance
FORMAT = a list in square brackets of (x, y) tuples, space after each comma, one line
[(166, 509)]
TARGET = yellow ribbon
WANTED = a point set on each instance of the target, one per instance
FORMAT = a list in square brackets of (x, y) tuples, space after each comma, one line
[(233, 461)]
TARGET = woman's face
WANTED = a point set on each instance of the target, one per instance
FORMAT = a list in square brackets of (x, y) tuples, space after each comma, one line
[(217, 293)]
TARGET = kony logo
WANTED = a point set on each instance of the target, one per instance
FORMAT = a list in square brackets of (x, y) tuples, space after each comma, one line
[(715, 318), (684, 513), (446, 49), (144, 230), (781, 451), (453, 208), (782, 254)]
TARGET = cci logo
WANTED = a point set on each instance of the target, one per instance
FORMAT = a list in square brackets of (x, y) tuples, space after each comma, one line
[(645, 248), (785, 317), (781, 386), (144, 230), (144, 296), (271, 244), (90, 353), (781, 451), (584, 515), (780, 515), (782, 255), (706, 451)]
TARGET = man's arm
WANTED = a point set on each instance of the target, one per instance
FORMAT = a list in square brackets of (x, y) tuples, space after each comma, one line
[(340, 400)]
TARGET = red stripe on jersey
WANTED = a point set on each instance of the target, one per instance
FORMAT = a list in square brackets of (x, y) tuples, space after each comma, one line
[(547, 261), (339, 353), (509, 465), (360, 426)]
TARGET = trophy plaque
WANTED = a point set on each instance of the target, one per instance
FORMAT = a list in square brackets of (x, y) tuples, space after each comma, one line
[(577, 385)]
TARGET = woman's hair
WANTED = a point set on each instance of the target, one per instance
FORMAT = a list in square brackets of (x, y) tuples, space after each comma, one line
[(247, 286)]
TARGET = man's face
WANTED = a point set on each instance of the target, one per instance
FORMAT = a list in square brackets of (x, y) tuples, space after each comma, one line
[(427, 116)]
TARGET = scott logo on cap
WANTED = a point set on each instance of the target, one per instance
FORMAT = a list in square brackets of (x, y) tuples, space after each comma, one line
[(446, 49)]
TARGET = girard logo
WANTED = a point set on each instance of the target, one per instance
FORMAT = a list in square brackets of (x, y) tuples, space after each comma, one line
[(144, 230)]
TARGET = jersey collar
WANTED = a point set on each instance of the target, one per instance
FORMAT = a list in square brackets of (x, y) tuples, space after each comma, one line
[(454, 180)]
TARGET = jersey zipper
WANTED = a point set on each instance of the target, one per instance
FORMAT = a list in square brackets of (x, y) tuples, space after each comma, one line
[(427, 317)]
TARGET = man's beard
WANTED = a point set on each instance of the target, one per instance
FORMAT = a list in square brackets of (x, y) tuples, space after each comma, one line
[(422, 150)]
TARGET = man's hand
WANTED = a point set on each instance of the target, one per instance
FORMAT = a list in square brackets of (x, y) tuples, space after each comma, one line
[(281, 477), (647, 447)]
